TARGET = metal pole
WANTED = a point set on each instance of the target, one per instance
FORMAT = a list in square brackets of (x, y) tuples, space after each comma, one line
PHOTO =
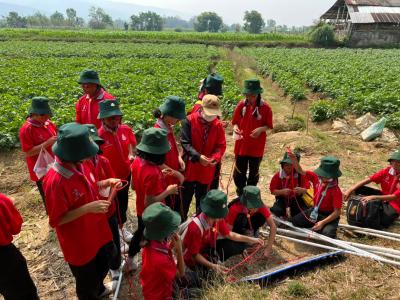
[(392, 234), (119, 281), (377, 235)]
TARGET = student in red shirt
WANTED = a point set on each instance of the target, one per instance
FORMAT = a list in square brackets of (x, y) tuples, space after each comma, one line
[(87, 107), (148, 182), (163, 246), (328, 198), (288, 187), (388, 178), (37, 133), (15, 281), (168, 115), (200, 238), (119, 148), (77, 215), (204, 144), (248, 213), (251, 119)]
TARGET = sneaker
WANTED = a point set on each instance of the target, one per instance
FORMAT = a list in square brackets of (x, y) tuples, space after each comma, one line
[(125, 235), (109, 289), (124, 246), (130, 265)]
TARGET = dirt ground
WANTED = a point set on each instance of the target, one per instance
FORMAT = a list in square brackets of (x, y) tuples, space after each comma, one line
[(354, 278)]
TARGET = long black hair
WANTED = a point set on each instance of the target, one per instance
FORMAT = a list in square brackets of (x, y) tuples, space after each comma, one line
[(157, 159)]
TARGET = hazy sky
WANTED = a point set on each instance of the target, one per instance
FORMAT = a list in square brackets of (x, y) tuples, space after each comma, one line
[(290, 12)]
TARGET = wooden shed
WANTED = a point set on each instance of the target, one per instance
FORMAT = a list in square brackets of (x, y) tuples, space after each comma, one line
[(366, 22)]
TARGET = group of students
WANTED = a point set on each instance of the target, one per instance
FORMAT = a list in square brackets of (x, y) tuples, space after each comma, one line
[(97, 159)]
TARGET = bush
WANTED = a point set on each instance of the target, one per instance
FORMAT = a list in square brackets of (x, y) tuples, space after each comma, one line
[(325, 110), (323, 35), (394, 121)]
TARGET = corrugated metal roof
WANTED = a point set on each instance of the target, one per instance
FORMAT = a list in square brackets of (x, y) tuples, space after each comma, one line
[(361, 18), (390, 3), (386, 18), (378, 9)]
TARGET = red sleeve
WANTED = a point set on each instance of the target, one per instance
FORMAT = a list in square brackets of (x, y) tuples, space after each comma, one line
[(192, 240), (378, 176), (265, 212), (78, 112), (132, 138), (313, 178), (268, 117), (397, 194), (275, 183), (337, 198), (56, 202), (11, 215), (220, 147), (25, 138), (152, 186), (237, 114), (223, 228), (234, 210)]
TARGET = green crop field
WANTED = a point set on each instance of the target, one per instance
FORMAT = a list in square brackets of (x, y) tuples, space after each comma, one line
[(356, 81), (140, 75)]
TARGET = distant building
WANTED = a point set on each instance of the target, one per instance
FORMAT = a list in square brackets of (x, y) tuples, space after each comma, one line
[(366, 22)]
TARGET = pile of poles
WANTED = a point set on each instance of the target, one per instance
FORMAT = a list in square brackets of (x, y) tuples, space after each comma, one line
[(310, 238)]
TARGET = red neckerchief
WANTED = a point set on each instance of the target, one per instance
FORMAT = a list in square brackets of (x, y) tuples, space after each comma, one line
[(98, 96), (116, 139), (40, 125)]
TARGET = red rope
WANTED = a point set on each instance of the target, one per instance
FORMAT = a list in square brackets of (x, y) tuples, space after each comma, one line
[(245, 260)]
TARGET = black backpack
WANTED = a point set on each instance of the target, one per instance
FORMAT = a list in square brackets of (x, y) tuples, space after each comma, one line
[(364, 215)]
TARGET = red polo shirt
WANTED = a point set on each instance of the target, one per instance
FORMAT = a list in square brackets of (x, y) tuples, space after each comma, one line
[(282, 181), (147, 180), (10, 221), (87, 108), (390, 185), (195, 242), (238, 208), (246, 121), (116, 148), (67, 189), (333, 198), (158, 271), (32, 134)]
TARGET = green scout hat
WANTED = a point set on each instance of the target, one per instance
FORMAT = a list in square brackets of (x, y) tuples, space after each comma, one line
[(154, 141), (395, 156), (213, 84), (214, 204), (94, 133), (89, 76), (40, 106), (329, 167), (174, 107), (252, 86), (109, 108), (74, 143), (286, 159), (159, 221), (251, 197)]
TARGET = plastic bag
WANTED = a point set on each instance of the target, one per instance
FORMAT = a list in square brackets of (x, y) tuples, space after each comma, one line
[(43, 163), (374, 131)]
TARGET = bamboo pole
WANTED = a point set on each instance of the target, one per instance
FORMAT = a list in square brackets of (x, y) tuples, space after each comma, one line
[(381, 232)]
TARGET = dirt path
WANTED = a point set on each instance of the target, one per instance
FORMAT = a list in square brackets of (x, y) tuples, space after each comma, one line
[(353, 279)]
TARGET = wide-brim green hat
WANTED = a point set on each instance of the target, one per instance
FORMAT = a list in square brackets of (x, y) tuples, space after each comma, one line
[(287, 160), (94, 133), (40, 106), (160, 221), (154, 141), (89, 76), (395, 156), (329, 168), (253, 87), (109, 108), (213, 84), (214, 204), (251, 197), (174, 107), (74, 144)]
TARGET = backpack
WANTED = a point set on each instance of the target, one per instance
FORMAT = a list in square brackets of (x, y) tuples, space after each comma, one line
[(183, 228)]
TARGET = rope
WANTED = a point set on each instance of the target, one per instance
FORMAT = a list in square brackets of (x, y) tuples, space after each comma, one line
[(245, 260), (230, 176)]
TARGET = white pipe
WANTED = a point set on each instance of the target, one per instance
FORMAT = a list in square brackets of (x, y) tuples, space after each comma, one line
[(119, 281), (341, 244), (391, 234), (377, 235), (387, 254)]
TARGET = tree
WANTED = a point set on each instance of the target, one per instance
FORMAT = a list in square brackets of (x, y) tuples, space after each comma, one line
[(208, 21), (271, 25), (175, 22), (236, 27), (323, 35), (253, 22), (15, 21), (98, 18), (57, 19), (149, 21), (38, 20), (71, 16)]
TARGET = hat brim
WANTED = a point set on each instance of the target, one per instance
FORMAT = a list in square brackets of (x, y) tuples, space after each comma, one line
[(157, 150), (95, 81), (40, 111), (180, 115), (250, 204), (286, 161), (212, 212), (253, 92), (111, 113), (212, 111), (88, 150), (162, 234), (322, 173)]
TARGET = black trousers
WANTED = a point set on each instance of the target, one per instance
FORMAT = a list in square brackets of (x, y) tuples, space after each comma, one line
[(389, 215), (134, 246), (242, 225), (122, 203), (15, 281), (280, 204), (215, 183), (242, 165), (189, 189), (227, 248), (39, 185), (115, 261), (89, 277), (328, 230)]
